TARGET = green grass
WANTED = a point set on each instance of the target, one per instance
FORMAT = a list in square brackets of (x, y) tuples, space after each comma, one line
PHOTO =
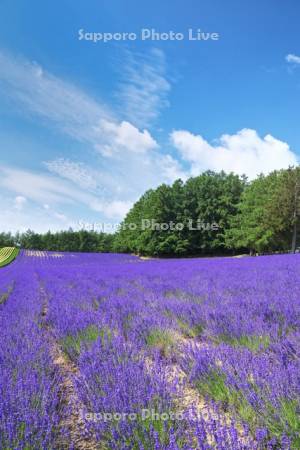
[(280, 421), (252, 342), (142, 432), (72, 344), (10, 258), (214, 385), (162, 339), (188, 331), (5, 295), (126, 324), (158, 422), (284, 420)]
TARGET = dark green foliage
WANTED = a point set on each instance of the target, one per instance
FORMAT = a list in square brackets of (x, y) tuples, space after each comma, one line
[(207, 203), (255, 216), (63, 241), (266, 213), (7, 240)]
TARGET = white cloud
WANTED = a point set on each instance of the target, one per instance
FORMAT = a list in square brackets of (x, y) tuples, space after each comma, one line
[(144, 89), (60, 216), (42, 188), (118, 181), (74, 171), (117, 209), (19, 202), (13, 221), (294, 59), (50, 97), (126, 160), (125, 137), (38, 187), (32, 216), (68, 108), (243, 153), (170, 169)]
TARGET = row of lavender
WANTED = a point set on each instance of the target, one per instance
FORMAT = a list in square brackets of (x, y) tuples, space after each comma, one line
[(170, 354), (29, 406)]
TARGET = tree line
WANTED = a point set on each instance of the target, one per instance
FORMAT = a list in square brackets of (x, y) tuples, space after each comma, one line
[(211, 214), (63, 241), (256, 217)]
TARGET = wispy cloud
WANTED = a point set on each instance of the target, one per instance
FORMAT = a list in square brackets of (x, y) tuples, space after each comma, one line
[(123, 180), (68, 108), (50, 97), (126, 160), (144, 87), (48, 190), (76, 172)]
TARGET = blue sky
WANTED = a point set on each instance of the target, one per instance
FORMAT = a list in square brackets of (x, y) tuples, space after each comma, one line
[(86, 127)]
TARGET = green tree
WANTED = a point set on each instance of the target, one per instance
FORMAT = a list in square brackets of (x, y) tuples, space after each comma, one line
[(210, 198), (266, 213)]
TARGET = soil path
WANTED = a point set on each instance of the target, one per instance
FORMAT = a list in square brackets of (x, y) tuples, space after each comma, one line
[(73, 432)]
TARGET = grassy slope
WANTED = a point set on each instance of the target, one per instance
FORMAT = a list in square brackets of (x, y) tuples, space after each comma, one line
[(10, 258)]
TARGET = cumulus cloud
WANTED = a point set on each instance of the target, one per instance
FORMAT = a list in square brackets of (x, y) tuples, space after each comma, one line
[(244, 152), (294, 59), (125, 136)]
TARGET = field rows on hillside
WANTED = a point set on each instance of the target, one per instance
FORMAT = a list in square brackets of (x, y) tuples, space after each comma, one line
[(7, 255)]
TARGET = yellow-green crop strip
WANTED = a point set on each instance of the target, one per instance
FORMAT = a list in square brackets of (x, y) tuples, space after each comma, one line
[(7, 255)]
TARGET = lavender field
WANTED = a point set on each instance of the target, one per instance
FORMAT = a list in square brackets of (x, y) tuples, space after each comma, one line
[(108, 351)]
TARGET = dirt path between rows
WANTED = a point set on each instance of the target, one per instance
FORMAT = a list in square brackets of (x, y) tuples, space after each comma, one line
[(191, 400), (73, 432)]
